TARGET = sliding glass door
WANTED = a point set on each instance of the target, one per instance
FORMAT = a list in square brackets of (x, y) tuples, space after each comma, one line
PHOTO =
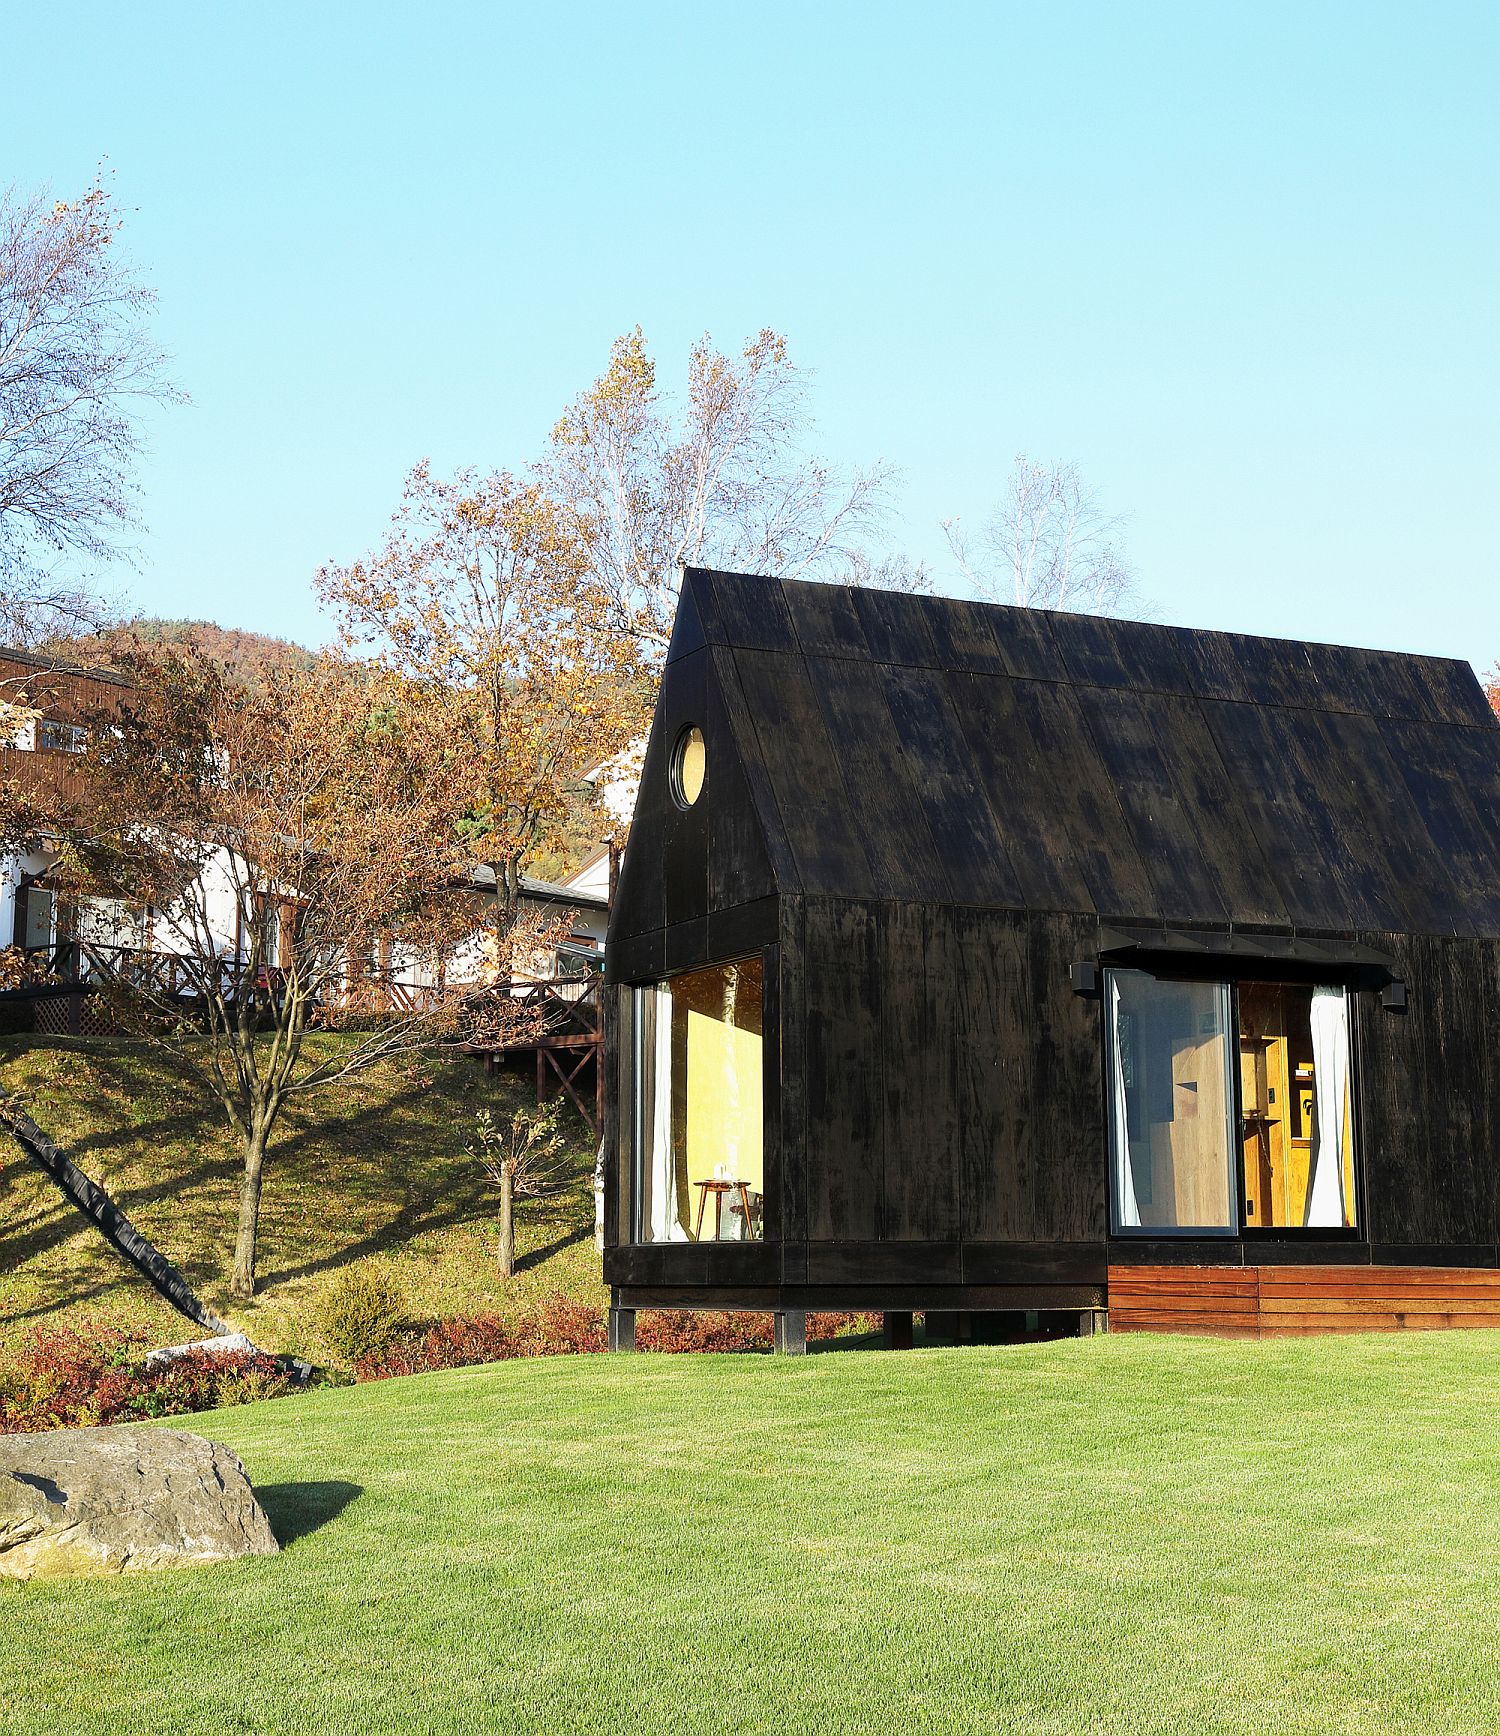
[(1229, 1106)]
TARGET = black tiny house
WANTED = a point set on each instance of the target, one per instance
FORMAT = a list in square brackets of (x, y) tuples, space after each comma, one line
[(974, 959)]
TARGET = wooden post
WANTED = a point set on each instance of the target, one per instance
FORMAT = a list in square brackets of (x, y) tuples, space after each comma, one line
[(621, 1328), (599, 1079), (791, 1332), (897, 1330), (949, 1326), (941, 1325), (1092, 1321)]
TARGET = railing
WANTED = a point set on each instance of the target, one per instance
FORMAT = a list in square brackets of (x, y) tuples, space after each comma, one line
[(87, 964), (568, 1008), (571, 1008)]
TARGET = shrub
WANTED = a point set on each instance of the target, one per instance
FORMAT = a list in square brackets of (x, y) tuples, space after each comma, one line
[(363, 1313), (561, 1327), (68, 1377)]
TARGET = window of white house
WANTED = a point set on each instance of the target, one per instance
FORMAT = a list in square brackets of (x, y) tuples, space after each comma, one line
[(38, 917), (110, 924), (1229, 1106), (695, 1046), (578, 961)]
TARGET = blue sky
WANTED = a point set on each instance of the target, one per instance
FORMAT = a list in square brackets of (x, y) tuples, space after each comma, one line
[(1239, 264)]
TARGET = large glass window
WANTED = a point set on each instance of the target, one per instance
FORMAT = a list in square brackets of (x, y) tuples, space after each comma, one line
[(1208, 1136), (696, 1066), (1170, 1104)]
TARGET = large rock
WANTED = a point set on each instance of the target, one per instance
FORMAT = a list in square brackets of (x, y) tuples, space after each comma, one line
[(115, 1500)]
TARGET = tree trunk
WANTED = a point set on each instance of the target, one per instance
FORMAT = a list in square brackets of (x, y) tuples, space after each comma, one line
[(242, 1281), (599, 1198), (507, 1222)]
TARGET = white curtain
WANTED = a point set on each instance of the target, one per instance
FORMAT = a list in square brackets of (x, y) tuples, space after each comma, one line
[(1130, 1211), (1330, 1041), (664, 1222)]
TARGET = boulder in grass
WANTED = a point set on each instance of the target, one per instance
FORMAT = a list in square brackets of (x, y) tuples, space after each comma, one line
[(123, 1499)]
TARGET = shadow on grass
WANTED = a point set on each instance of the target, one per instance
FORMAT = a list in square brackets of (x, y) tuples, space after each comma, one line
[(298, 1509), (524, 1262)]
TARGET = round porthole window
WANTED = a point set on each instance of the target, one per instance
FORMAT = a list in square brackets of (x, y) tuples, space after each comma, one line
[(687, 767)]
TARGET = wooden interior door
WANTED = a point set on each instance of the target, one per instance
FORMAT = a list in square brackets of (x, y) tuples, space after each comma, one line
[(1265, 1105)]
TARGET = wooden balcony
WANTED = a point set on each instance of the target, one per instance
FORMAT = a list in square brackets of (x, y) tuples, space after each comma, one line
[(46, 779)]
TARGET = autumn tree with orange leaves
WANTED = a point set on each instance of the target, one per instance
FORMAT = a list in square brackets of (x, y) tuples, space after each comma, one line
[(483, 606), (288, 851)]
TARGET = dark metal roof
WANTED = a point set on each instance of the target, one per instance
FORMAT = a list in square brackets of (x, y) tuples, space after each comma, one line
[(52, 666), (936, 750), (542, 891)]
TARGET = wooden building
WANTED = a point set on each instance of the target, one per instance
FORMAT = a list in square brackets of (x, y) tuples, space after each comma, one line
[(971, 960)]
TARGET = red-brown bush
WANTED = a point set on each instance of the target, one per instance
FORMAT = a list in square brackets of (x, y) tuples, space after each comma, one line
[(560, 1327), (67, 1377)]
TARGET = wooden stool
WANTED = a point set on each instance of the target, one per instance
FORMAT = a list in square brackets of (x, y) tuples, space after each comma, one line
[(719, 1189)]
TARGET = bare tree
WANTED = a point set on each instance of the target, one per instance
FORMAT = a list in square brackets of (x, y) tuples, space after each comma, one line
[(1048, 544), (75, 368), (523, 1158), (721, 479)]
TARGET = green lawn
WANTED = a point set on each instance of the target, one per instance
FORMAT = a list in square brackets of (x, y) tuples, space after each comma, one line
[(371, 1169), (1096, 1535)]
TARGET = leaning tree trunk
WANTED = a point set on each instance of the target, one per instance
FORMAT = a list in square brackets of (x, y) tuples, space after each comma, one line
[(507, 1222), (97, 1206), (242, 1281)]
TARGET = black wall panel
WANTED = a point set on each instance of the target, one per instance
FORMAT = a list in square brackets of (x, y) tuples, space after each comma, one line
[(1068, 1101), (953, 800), (845, 1086), (982, 979), (1178, 859)]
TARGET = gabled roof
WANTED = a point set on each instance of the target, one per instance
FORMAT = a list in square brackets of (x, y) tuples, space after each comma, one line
[(938, 750)]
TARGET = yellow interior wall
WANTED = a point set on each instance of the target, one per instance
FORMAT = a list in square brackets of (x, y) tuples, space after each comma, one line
[(723, 1102), (718, 1092)]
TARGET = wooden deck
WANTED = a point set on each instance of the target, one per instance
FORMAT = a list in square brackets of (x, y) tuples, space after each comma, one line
[(568, 1045), (1296, 1301)]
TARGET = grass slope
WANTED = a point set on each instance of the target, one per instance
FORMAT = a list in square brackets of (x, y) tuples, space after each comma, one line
[(372, 1169), (1108, 1535)]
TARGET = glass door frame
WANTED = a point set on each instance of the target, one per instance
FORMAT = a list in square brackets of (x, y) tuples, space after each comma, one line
[(1240, 1230), (633, 1127)]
